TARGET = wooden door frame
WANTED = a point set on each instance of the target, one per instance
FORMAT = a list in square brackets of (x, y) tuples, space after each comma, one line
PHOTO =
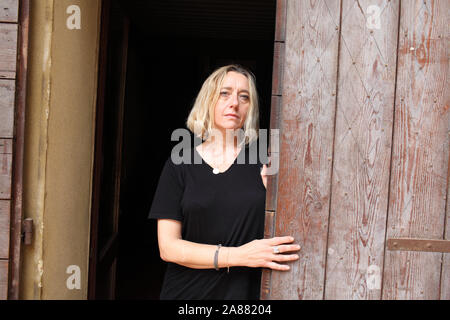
[(18, 152), (275, 111), (103, 53), (107, 254)]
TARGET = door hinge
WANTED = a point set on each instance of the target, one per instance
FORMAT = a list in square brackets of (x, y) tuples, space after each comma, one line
[(27, 231)]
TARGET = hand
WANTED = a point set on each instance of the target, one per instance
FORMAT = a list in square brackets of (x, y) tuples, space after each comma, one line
[(264, 175), (260, 253)]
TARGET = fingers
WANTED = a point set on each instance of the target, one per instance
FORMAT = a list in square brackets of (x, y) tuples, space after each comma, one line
[(261, 253), (285, 257), (288, 248), (280, 240), (279, 267), (281, 258), (283, 248)]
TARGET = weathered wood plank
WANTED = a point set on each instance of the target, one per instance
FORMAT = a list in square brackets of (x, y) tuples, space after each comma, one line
[(278, 65), (280, 21), (19, 133), (5, 168), (363, 135), (3, 279), (266, 273), (445, 269), (9, 11), (420, 156), (8, 50), (7, 93), (306, 142), (5, 214), (272, 180)]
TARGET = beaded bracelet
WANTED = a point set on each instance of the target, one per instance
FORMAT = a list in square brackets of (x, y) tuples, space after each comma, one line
[(228, 264), (216, 257)]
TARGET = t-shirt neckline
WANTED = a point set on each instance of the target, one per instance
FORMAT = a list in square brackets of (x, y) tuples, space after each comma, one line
[(211, 168)]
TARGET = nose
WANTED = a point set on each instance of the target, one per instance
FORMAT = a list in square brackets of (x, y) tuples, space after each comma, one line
[(234, 100)]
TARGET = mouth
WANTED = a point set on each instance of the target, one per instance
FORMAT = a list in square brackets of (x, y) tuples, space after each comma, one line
[(232, 116)]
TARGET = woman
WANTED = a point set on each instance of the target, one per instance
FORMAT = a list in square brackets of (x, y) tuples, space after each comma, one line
[(211, 214)]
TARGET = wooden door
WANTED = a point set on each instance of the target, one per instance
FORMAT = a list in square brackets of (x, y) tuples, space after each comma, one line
[(108, 153), (360, 95), (13, 72)]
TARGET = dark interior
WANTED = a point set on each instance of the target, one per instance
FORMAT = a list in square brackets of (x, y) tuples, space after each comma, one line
[(173, 47)]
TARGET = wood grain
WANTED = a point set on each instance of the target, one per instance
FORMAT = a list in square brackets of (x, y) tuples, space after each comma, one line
[(7, 92), (3, 279), (5, 213), (8, 50), (9, 10), (306, 138), (362, 152), (419, 174), (8, 57), (5, 168)]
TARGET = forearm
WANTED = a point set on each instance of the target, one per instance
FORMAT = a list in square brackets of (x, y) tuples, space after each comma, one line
[(199, 256)]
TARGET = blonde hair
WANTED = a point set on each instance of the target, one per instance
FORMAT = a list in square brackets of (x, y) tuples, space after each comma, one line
[(201, 118)]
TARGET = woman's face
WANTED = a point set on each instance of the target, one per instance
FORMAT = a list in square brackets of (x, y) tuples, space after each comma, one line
[(234, 101)]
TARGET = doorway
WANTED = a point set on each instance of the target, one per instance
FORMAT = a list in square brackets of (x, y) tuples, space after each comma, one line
[(171, 47)]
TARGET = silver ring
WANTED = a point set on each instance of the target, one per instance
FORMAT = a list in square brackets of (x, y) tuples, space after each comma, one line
[(276, 250)]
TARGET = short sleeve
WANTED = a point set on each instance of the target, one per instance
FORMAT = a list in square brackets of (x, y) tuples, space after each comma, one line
[(167, 199)]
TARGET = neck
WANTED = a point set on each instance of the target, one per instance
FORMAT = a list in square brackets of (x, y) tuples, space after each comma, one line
[(224, 142)]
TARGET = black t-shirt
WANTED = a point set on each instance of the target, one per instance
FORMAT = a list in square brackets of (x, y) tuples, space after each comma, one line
[(225, 208)]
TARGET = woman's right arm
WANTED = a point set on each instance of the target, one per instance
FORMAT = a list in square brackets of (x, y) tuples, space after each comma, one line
[(257, 253)]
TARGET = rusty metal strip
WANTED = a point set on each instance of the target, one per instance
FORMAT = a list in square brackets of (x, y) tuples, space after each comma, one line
[(424, 245)]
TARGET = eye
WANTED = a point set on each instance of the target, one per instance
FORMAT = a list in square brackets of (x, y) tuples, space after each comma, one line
[(224, 93), (245, 98)]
